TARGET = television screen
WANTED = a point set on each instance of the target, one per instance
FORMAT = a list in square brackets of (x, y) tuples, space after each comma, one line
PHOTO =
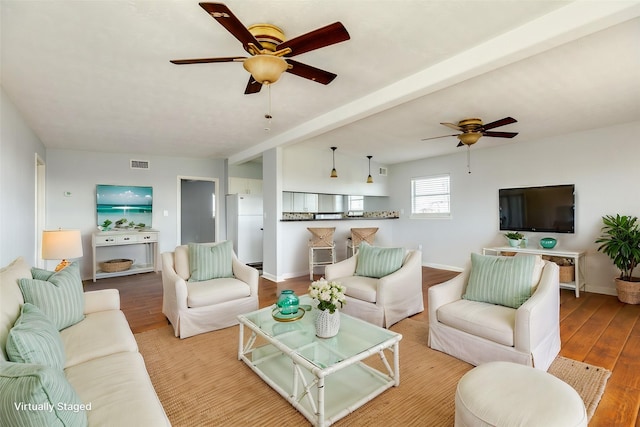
[(544, 209), (124, 205)]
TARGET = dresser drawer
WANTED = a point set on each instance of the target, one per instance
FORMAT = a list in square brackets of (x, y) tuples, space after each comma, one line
[(126, 238), (105, 240), (147, 237)]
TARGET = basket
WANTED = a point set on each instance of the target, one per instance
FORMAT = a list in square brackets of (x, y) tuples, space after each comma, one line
[(508, 253), (115, 265), (628, 292), (567, 273)]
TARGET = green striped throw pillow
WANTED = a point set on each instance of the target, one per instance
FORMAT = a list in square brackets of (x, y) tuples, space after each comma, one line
[(60, 297), (34, 339), (208, 262), (36, 396), (378, 262), (500, 280)]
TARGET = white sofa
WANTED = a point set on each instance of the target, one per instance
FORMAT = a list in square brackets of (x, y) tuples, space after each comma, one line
[(103, 364), (197, 307), (382, 301), (479, 332)]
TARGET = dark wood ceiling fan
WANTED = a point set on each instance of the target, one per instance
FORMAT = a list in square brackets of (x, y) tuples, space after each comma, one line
[(270, 51), (472, 129)]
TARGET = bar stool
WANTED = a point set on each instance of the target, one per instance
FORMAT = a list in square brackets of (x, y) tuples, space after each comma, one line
[(358, 235), (321, 240)]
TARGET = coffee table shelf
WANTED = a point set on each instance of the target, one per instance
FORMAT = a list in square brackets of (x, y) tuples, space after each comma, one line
[(325, 379)]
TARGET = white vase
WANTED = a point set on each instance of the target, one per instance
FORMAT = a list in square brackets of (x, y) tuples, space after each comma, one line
[(327, 323)]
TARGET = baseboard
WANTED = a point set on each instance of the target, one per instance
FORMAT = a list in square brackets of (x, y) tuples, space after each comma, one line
[(600, 290), (443, 267)]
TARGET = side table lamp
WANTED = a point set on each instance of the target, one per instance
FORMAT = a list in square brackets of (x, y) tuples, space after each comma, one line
[(61, 244)]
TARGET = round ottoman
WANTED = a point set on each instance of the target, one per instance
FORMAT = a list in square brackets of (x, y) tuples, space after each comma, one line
[(508, 394)]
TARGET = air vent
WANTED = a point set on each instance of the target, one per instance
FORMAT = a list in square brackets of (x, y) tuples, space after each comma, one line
[(383, 171), (140, 164)]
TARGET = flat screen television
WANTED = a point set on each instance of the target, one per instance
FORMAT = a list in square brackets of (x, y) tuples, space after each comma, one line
[(545, 209), (125, 206)]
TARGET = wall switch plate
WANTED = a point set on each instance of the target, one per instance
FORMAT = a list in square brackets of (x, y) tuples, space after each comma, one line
[(165, 212)]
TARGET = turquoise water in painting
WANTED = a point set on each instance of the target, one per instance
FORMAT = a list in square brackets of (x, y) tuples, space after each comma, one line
[(115, 202)]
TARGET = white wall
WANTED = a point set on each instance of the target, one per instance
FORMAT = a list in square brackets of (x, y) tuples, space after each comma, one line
[(78, 172), (18, 148), (604, 165), (307, 170)]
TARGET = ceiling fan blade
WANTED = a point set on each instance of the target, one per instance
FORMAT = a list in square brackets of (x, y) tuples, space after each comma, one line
[(252, 86), (207, 60), (452, 126), (500, 134), (436, 137), (228, 20), (498, 123), (309, 72), (325, 36)]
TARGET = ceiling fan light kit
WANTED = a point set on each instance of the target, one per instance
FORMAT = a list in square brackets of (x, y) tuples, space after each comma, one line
[(265, 69), (469, 138)]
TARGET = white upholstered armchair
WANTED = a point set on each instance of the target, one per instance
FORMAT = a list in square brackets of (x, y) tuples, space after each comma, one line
[(382, 301), (194, 307), (479, 332)]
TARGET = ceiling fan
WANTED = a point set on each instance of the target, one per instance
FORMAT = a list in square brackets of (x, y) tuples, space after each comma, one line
[(270, 51), (473, 129)]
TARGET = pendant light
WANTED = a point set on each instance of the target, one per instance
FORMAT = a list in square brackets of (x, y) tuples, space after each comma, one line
[(334, 173), (369, 178)]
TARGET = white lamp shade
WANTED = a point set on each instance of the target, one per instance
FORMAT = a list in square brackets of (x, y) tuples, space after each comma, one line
[(61, 244)]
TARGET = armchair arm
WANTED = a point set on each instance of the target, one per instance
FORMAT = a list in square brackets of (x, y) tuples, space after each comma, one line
[(246, 273), (445, 293), (540, 313), (344, 268), (409, 275), (102, 300), (174, 288)]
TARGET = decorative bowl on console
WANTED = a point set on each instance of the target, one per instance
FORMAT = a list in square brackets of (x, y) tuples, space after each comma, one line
[(548, 242)]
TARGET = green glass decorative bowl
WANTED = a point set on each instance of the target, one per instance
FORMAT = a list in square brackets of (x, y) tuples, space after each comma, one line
[(548, 242)]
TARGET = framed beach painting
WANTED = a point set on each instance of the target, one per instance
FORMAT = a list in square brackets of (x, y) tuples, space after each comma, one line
[(123, 206)]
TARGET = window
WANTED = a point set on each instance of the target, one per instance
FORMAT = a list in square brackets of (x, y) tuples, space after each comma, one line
[(356, 203), (430, 197)]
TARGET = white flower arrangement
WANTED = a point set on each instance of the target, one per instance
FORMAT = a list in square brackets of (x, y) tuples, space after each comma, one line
[(330, 295)]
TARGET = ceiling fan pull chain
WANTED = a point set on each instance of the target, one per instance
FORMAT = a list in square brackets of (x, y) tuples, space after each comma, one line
[(469, 159), (268, 116)]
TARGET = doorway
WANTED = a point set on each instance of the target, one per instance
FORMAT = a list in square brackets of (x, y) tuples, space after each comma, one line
[(40, 210), (198, 222)]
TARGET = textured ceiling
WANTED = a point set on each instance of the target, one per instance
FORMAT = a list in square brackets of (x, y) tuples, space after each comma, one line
[(95, 75)]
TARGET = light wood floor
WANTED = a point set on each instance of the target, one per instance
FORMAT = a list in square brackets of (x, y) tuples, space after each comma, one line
[(596, 329)]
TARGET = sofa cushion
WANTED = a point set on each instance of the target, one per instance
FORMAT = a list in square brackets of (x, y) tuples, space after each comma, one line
[(378, 262), (37, 395), (11, 298), (208, 262), (60, 297), (100, 334), (34, 339), (500, 280), (493, 322), (120, 391), (215, 291), (360, 287)]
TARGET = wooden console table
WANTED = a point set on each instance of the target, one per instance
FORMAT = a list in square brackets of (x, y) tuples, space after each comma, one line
[(578, 258), (149, 238)]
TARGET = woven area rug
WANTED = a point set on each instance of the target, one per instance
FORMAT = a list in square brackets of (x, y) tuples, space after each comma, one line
[(200, 381)]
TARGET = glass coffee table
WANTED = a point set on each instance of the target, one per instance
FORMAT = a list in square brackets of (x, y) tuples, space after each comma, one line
[(325, 379)]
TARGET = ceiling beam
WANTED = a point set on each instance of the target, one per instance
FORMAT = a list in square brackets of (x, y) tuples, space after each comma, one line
[(571, 22)]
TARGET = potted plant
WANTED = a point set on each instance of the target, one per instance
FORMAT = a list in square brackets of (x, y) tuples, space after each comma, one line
[(621, 242), (514, 238)]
